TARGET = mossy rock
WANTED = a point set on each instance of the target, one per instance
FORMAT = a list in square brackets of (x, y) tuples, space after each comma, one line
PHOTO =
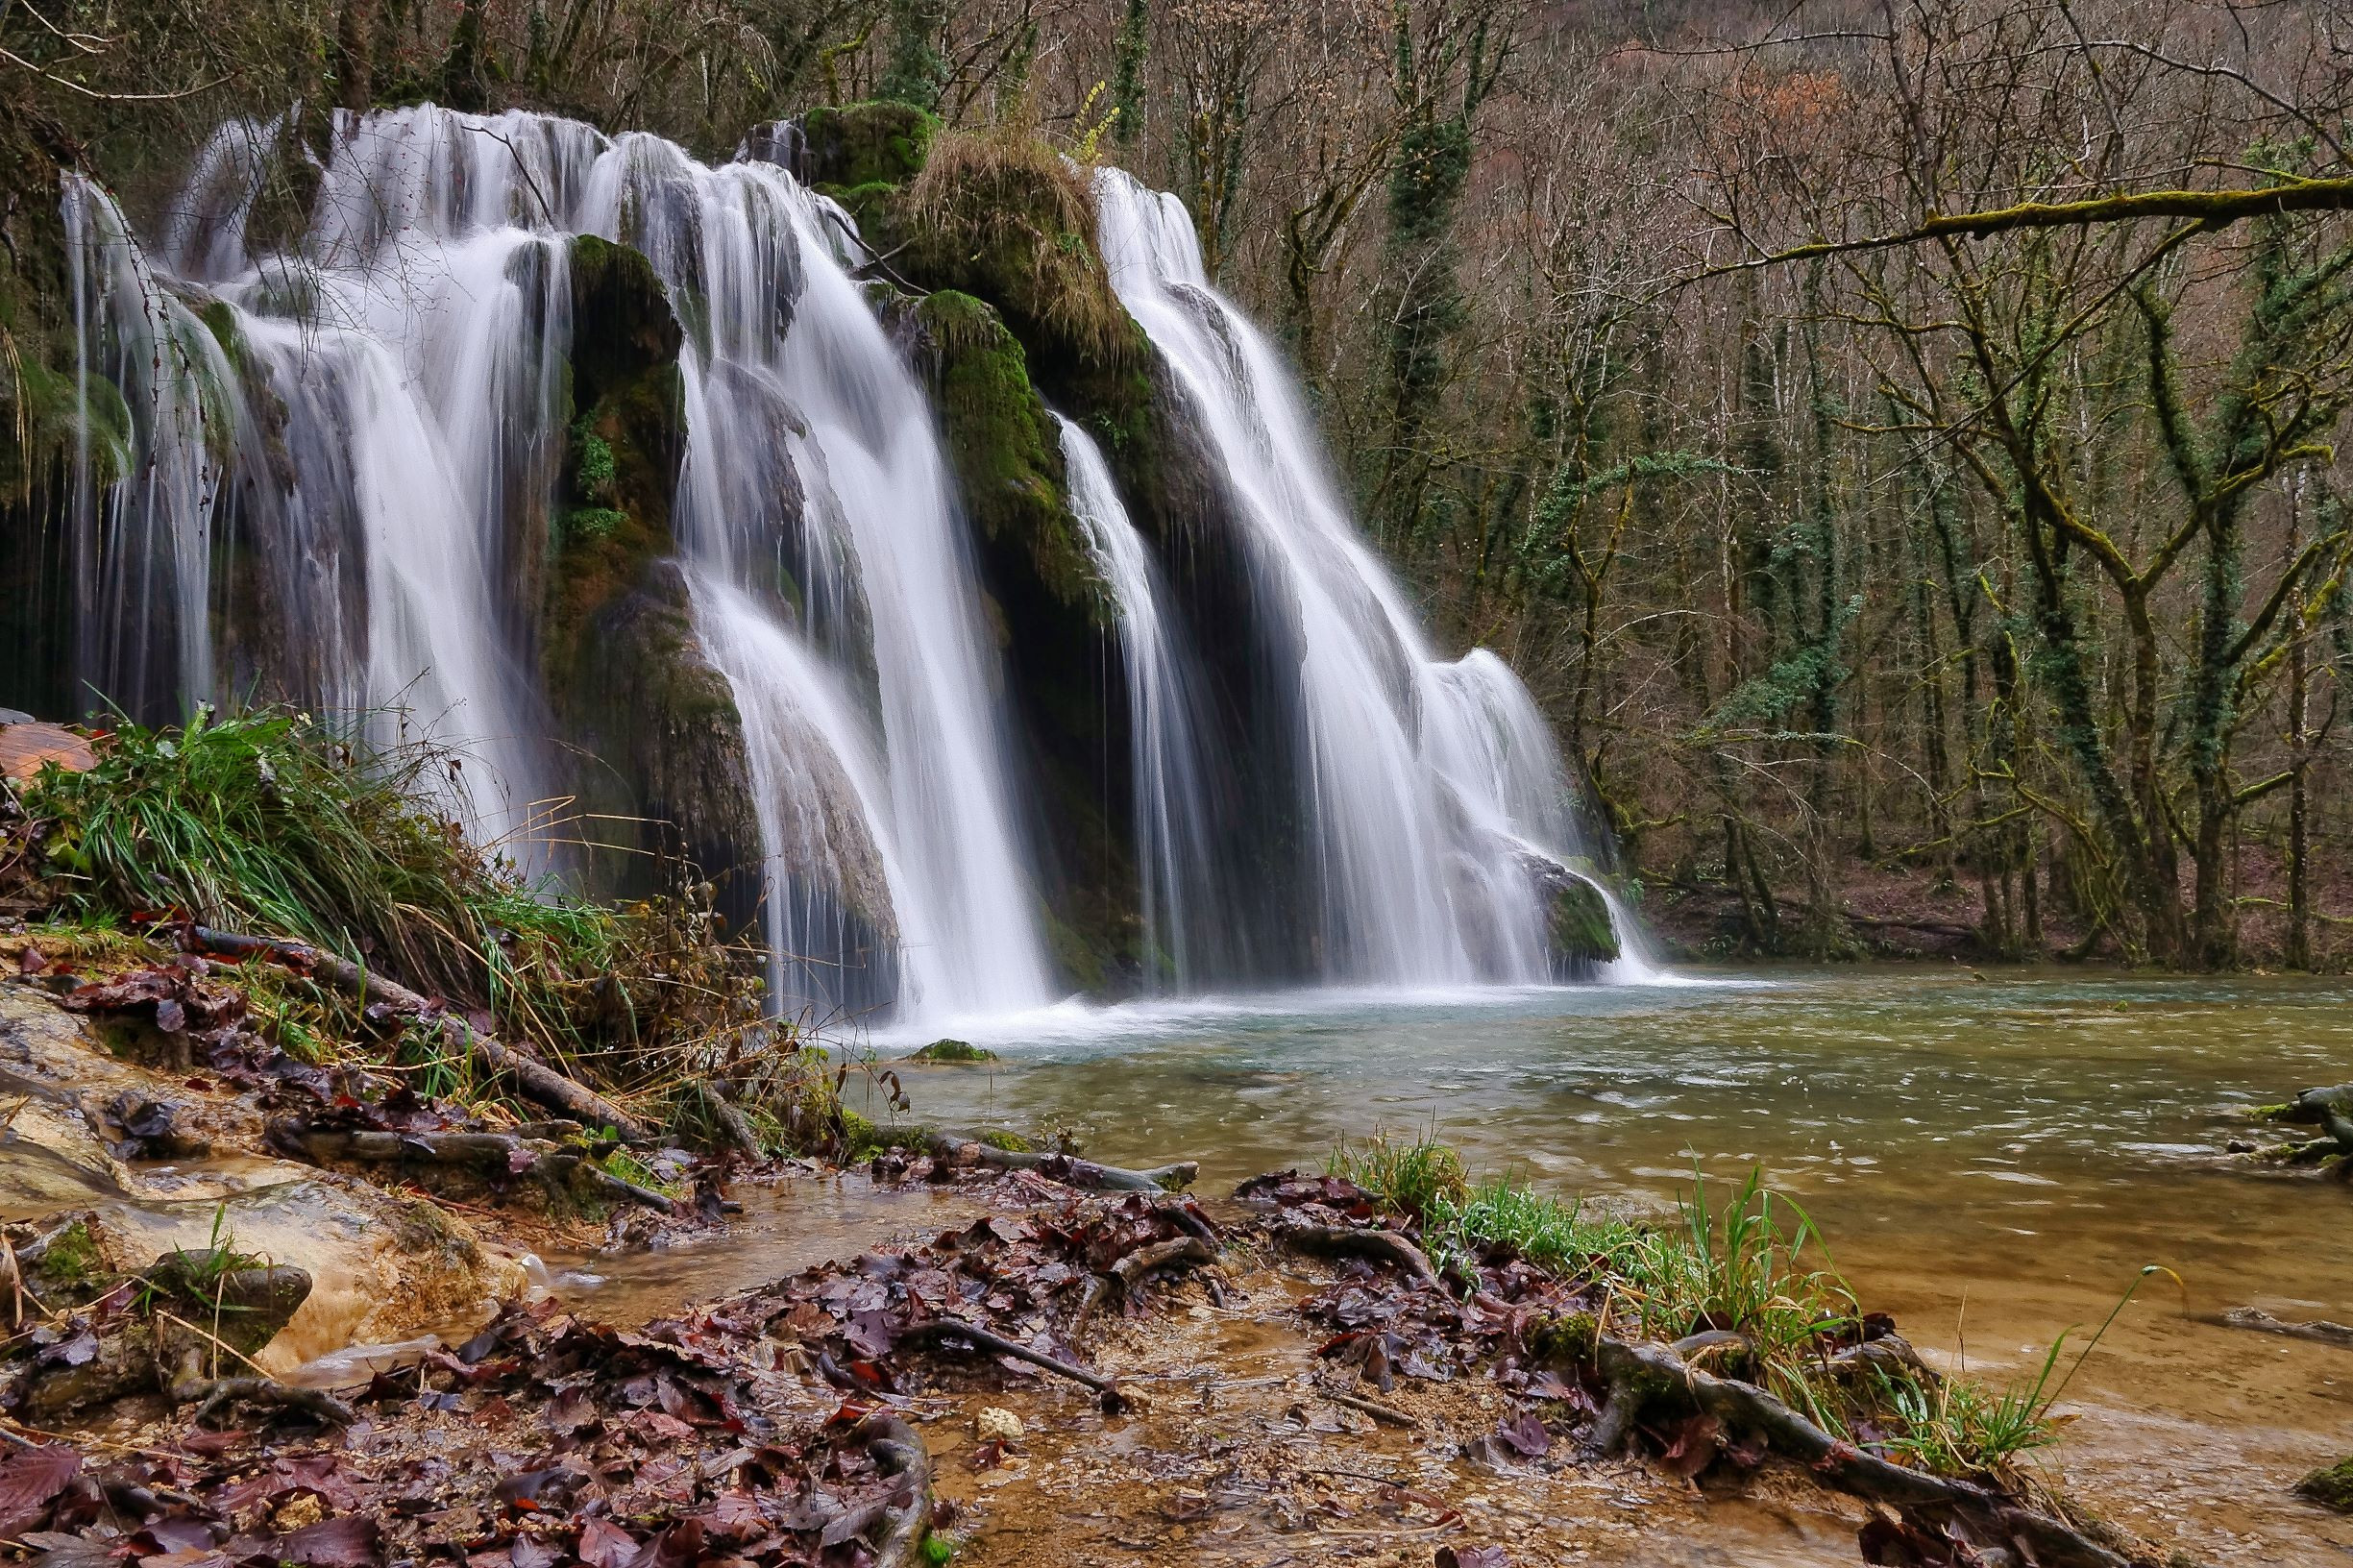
[(1579, 926), (953, 1050), (2331, 1487), (1006, 449), (876, 143), (1010, 221)]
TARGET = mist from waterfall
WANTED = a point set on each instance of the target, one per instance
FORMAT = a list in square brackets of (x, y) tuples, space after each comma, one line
[(1432, 790)]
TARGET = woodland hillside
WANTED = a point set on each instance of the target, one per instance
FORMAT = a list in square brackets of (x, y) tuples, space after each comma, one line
[(1896, 444)]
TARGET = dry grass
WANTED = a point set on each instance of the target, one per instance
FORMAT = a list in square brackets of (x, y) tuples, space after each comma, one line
[(1016, 221)]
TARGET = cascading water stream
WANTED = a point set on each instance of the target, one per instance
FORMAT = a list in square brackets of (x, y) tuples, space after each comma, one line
[(1173, 848), (413, 348), (368, 423), (1429, 785)]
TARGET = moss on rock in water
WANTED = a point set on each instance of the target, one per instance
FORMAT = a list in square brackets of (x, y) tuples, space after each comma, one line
[(1580, 926), (1006, 449), (2331, 1487), (953, 1050), (873, 143)]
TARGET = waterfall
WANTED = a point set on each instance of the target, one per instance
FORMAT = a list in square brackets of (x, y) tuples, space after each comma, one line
[(412, 350), (325, 458), (1174, 851), (1428, 786)]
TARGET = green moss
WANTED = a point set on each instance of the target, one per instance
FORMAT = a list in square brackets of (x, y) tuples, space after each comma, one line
[(1580, 924), (71, 1258), (2331, 1487), (1569, 1339), (953, 1050), (1006, 449), (872, 143), (860, 1138), (584, 523), (593, 471), (996, 1138)]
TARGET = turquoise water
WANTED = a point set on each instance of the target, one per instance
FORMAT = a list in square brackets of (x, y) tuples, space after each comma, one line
[(1993, 1159)]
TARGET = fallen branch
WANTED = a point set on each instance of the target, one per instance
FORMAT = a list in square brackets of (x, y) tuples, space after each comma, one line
[(1641, 1375), (494, 1152), (2319, 1330), (538, 1080), (211, 1395), (921, 1334), (1373, 1408), (1067, 1169), (1381, 1246)]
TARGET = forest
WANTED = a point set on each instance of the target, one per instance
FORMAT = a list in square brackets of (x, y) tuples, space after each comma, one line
[(857, 783), (1895, 443)]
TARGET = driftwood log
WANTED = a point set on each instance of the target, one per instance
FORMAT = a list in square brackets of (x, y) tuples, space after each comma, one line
[(2329, 1109), (1067, 1169), (2320, 1331), (1646, 1380), (535, 1078), (492, 1152)]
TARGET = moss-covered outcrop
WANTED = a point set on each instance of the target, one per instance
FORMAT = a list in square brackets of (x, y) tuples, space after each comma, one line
[(38, 415), (1006, 449), (1577, 924), (881, 144), (663, 765)]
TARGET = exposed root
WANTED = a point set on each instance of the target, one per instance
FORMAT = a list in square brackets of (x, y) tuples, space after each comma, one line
[(1381, 1246), (943, 1328), (1129, 1271), (906, 1518), (1068, 1169), (1643, 1376), (538, 1080), (211, 1395)]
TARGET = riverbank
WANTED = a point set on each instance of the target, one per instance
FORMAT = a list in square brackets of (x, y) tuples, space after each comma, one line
[(1221, 1395)]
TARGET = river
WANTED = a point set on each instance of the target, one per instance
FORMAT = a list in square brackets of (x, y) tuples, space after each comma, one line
[(1994, 1158)]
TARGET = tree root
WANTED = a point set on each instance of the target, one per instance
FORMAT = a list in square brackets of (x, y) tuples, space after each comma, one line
[(210, 1394), (1381, 1246), (920, 1335), (1068, 1169), (899, 1453), (1130, 1270), (494, 1152), (2329, 1109), (1643, 1376), (538, 1080)]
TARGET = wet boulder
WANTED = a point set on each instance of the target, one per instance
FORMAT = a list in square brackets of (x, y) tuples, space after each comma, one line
[(1576, 923)]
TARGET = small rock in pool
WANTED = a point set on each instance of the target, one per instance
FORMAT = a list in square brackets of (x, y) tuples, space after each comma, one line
[(996, 1424)]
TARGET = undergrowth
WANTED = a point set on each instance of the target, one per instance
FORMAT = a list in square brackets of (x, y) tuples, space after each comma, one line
[(274, 823), (1754, 1265)]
